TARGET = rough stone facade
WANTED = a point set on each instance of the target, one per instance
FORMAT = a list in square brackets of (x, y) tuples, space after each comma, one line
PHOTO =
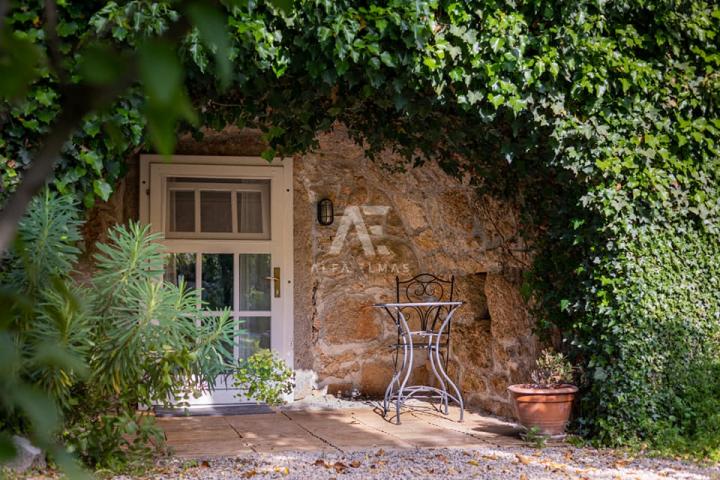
[(418, 221)]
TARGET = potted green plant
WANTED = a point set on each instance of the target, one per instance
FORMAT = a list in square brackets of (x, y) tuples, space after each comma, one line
[(545, 404)]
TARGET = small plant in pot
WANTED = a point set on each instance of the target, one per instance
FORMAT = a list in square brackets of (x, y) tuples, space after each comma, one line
[(545, 404)]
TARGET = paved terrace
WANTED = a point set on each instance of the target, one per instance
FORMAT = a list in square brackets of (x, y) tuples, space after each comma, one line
[(332, 431), (301, 443)]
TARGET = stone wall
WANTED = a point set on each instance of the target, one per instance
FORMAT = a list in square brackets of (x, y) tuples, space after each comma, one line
[(417, 221)]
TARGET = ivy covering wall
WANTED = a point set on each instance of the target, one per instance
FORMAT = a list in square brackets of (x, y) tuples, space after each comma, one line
[(600, 119)]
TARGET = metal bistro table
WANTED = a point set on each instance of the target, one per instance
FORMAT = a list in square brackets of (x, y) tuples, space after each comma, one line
[(432, 320)]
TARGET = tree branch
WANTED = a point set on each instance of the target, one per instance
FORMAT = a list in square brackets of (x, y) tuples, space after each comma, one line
[(53, 41)]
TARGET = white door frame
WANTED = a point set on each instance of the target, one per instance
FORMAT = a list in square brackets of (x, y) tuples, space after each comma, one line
[(153, 169)]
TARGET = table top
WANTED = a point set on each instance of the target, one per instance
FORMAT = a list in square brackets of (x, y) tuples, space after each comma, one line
[(417, 304)]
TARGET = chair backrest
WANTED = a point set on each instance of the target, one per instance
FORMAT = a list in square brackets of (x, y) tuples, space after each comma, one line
[(424, 287)]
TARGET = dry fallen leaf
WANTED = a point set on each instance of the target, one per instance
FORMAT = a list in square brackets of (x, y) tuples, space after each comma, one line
[(205, 464), (523, 476), (355, 464), (283, 470), (441, 457), (620, 463), (490, 457), (568, 455), (321, 463), (380, 453), (522, 459), (249, 474), (340, 467), (474, 462)]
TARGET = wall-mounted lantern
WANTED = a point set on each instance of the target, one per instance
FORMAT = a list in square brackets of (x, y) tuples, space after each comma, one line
[(325, 212)]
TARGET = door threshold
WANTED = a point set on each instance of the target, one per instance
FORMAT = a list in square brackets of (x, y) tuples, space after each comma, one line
[(214, 410)]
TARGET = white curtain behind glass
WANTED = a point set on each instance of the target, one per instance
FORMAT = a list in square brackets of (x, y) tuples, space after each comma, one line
[(250, 212)]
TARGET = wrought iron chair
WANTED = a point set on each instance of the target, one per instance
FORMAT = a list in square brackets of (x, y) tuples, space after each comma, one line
[(423, 316), (426, 287)]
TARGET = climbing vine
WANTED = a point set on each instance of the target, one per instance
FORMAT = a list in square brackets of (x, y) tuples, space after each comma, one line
[(599, 119)]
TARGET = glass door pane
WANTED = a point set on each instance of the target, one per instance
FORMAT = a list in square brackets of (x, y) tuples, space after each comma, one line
[(255, 336), (217, 280), (254, 282), (181, 267)]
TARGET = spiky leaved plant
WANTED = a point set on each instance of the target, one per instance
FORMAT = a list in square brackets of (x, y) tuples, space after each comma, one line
[(44, 327), (151, 332), (100, 349), (152, 344), (51, 314)]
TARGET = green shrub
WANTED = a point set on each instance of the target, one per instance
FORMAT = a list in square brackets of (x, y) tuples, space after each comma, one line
[(654, 374), (103, 348), (264, 377), (692, 425)]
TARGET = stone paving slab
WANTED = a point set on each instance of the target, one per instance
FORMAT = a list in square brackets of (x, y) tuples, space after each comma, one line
[(276, 432), (339, 430), (345, 432)]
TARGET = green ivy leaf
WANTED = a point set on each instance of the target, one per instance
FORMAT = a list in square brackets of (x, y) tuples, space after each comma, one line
[(102, 189)]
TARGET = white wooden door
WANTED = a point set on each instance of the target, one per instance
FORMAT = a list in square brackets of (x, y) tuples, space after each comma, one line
[(227, 229)]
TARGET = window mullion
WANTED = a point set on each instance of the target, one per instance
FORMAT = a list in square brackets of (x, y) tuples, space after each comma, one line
[(197, 211), (233, 211)]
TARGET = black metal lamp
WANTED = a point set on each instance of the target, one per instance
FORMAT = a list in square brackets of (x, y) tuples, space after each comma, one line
[(325, 212)]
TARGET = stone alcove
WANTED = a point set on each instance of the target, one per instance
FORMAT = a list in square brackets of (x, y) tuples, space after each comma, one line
[(429, 222)]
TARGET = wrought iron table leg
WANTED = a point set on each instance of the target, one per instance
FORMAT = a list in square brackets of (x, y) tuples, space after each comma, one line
[(391, 386), (449, 381), (443, 387), (408, 369)]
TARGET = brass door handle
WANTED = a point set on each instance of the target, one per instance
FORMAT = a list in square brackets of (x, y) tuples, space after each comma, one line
[(276, 281)]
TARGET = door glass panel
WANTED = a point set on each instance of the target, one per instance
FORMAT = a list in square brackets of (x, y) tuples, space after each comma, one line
[(254, 282), (254, 335), (182, 211), (217, 280), (249, 212), (181, 266), (215, 212)]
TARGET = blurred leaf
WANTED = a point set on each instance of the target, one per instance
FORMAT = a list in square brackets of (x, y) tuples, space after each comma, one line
[(160, 71), (53, 355), (19, 59), (39, 408), (212, 25), (162, 75), (100, 64), (7, 447)]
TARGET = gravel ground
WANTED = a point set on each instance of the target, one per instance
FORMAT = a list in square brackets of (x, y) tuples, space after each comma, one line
[(488, 462)]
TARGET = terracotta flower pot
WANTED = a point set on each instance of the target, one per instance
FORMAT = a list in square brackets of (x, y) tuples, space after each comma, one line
[(548, 409)]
